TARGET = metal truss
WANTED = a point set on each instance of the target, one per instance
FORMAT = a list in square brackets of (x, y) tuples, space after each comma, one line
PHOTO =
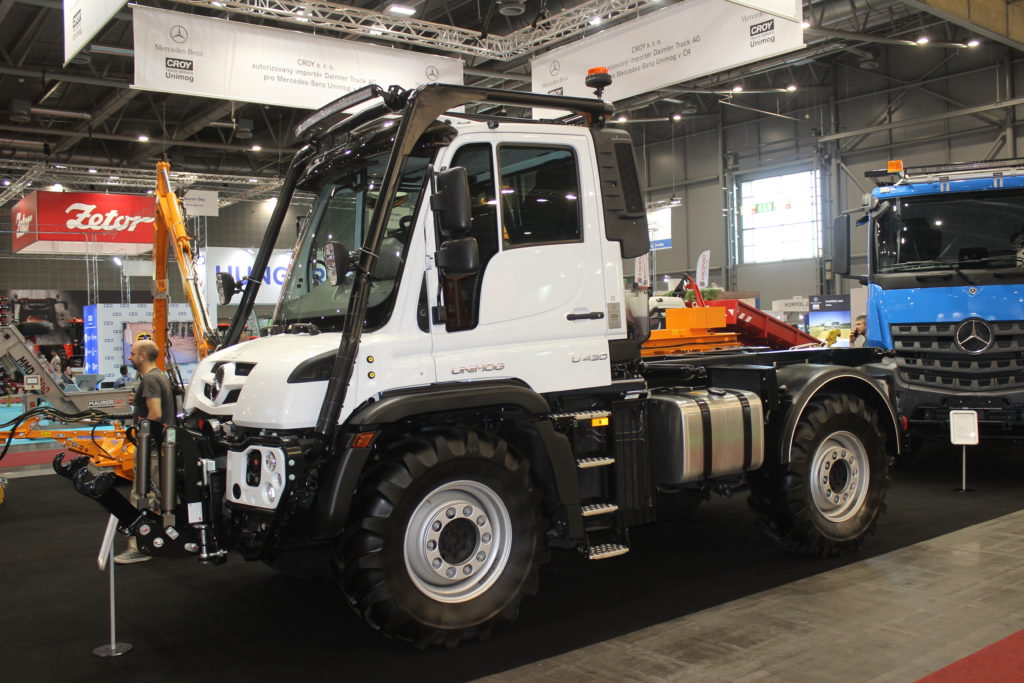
[(439, 37), (232, 188)]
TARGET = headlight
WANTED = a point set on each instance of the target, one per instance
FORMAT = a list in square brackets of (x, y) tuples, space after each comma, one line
[(316, 369)]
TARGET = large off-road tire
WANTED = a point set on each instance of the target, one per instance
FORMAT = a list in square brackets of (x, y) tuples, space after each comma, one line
[(447, 538), (829, 496)]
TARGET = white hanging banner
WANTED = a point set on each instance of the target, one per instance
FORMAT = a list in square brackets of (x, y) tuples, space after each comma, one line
[(193, 55), (201, 203), (659, 228), (678, 43), (703, 268), (780, 8), (83, 19)]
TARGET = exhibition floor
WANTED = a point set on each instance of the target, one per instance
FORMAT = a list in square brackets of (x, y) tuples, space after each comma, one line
[(709, 599)]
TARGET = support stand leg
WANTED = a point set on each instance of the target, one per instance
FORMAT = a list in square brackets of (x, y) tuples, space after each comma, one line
[(113, 648), (963, 477)]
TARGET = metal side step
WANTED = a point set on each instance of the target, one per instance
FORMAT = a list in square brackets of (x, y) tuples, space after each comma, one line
[(602, 461), (595, 509), (605, 550)]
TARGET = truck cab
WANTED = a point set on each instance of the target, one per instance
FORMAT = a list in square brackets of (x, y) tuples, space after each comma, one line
[(946, 292)]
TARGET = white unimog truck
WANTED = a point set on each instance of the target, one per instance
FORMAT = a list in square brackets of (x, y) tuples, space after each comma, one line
[(453, 383)]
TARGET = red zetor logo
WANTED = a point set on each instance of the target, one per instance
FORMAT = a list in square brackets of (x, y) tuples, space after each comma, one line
[(83, 218)]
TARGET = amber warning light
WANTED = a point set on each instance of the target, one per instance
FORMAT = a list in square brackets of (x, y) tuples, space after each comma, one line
[(895, 166)]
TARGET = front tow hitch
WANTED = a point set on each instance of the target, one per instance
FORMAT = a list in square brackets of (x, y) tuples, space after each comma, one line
[(152, 535)]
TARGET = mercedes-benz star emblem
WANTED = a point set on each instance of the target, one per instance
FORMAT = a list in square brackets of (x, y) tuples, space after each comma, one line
[(179, 33), (974, 336), (555, 68), (432, 73)]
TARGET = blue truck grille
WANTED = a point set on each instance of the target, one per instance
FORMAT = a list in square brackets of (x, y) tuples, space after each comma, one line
[(926, 355)]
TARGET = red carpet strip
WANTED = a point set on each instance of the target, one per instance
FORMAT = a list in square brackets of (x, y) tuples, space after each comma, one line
[(1000, 661)]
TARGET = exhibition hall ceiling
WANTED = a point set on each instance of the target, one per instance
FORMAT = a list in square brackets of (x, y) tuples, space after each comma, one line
[(82, 125)]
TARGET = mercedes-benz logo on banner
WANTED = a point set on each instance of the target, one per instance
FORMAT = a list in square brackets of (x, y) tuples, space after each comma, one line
[(432, 73), (555, 68), (179, 33), (974, 336)]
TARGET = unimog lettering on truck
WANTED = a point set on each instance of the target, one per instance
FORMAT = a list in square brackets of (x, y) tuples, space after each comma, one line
[(356, 438)]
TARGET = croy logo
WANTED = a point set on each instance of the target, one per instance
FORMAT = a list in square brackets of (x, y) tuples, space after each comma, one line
[(180, 64), (84, 219), (763, 27), (23, 222)]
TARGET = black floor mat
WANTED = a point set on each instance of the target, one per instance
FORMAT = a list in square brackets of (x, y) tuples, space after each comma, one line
[(243, 620)]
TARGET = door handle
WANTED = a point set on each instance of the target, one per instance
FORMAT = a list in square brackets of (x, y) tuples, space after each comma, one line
[(597, 315)]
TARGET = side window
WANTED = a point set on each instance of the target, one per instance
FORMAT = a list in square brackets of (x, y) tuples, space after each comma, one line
[(540, 191), (462, 295)]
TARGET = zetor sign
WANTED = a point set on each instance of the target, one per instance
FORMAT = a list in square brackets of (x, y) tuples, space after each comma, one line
[(83, 223)]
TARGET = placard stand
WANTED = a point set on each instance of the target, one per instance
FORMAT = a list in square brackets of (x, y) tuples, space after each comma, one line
[(104, 560), (963, 431)]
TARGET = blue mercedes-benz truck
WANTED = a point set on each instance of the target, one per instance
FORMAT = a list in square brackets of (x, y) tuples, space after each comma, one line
[(946, 291)]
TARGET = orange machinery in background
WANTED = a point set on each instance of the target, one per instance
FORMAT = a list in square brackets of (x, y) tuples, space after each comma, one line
[(720, 324)]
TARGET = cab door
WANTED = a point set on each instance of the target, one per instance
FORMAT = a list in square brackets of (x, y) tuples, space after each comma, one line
[(536, 309)]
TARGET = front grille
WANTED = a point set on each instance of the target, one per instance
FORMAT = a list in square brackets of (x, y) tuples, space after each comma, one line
[(926, 355)]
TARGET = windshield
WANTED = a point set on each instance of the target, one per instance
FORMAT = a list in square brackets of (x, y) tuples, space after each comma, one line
[(346, 198), (964, 230)]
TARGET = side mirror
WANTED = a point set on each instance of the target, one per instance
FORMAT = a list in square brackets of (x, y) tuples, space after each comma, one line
[(841, 246), (450, 201), (226, 287), (459, 257), (338, 262)]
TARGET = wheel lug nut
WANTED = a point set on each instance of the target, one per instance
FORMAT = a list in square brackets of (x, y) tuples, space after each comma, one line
[(485, 538), (431, 545), (828, 465), (467, 511), (436, 564), (436, 526), (836, 500), (481, 520), (480, 556), (449, 513), (450, 573), (467, 570), (828, 493)]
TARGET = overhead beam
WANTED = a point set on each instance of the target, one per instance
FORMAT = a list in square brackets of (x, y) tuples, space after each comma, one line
[(969, 111)]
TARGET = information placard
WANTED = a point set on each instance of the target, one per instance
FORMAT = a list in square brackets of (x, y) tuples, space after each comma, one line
[(963, 427)]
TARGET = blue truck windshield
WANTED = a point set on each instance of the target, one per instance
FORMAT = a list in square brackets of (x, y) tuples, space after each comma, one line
[(971, 230)]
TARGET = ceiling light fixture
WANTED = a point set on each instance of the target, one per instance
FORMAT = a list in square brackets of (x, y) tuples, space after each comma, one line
[(791, 87), (622, 119), (117, 261), (923, 40), (256, 148), (677, 117), (92, 170), (401, 9), (596, 21), (973, 42), (143, 138), (737, 88), (805, 25)]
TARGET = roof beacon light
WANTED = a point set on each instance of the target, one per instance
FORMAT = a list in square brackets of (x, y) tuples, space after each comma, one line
[(894, 166), (599, 79)]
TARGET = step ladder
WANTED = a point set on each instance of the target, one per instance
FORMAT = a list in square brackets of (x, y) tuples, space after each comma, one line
[(606, 536)]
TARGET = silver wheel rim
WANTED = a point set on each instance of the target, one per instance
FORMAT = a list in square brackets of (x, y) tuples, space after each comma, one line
[(840, 473), (458, 541)]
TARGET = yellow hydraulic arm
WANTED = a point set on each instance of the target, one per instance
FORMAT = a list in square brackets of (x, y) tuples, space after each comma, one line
[(170, 229)]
